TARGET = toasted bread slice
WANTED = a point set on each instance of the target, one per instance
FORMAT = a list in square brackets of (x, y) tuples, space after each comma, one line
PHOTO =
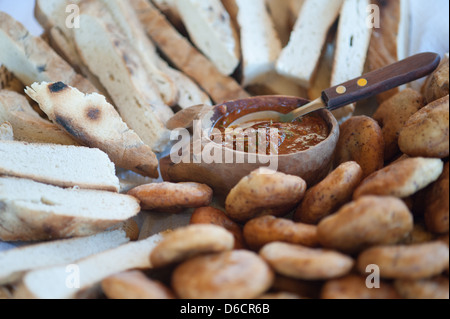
[(390, 42), (31, 59), (15, 262), (175, 87), (260, 43), (186, 57), (27, 124), (94, 122), (51, 283), (60, 165), (6, 132), (299, 59), (352, 43), (210, 28), (130, 87), (45, 212)]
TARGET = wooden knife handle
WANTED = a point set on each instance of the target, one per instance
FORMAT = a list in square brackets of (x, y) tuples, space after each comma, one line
[(381, 80)]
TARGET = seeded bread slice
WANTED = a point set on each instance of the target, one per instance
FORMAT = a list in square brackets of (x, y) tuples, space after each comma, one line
[(352, 44), (95, 123), (31, 59), (52, 283), (32, 211), (15, 262), (210, 28), (60, 165)]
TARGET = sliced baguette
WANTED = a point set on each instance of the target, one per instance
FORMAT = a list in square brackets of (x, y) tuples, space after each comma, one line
[(60, 165), (31, 59), (6, 132), (95, 123), (352, 44), (299, 59), (179, 87), (28, 126), (51, 283), (210, 28), (127, 82), (15, 262), (390, 42), (186, 57), (45, 212), (260, 43)]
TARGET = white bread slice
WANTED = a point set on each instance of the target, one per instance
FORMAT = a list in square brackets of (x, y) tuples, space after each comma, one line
[(128, 22), (390, 42), (28, 126), (352, 43), (15, 262), (179, 87), (6, 132), (299, 59), (60, 165), (57, 283), (32, 211), (260, 43), (185, 57), (31, 59), (210, 28), (127, 82), (95, 123)]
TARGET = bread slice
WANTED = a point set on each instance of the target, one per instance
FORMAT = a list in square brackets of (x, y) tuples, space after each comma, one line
[(260, 43), (110, 56), (390, 42), (45, 212), (6, 132), (210, 28), (28, 126), (352, 44), (185, 57), (299, 59), (60, 165), (95, 123), (175, 87), (57, 283), (15, 262), (31, 59)]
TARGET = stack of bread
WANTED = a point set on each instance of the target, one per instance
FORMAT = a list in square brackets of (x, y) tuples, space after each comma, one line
[(86, 112)]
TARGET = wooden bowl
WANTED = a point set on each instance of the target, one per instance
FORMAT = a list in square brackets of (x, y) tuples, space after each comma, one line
[(312, 165)]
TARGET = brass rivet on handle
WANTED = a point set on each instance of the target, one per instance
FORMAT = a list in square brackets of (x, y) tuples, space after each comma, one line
[(362, 82), (341, 89)]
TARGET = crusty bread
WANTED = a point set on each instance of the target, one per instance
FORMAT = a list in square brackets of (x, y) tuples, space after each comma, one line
[(15, 262), (45, 212), (179, 87), (126, 19), (260, 43), (28, 126), (31, 59), (6, 132), (186, 57), (390, 42), (140, 106), (352, 43), (51, 283), (94, 122), (60, 165), (299, 59), (210, 28)]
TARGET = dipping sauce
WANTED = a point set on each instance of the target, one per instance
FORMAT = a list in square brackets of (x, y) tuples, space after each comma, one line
[(300, 135)]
